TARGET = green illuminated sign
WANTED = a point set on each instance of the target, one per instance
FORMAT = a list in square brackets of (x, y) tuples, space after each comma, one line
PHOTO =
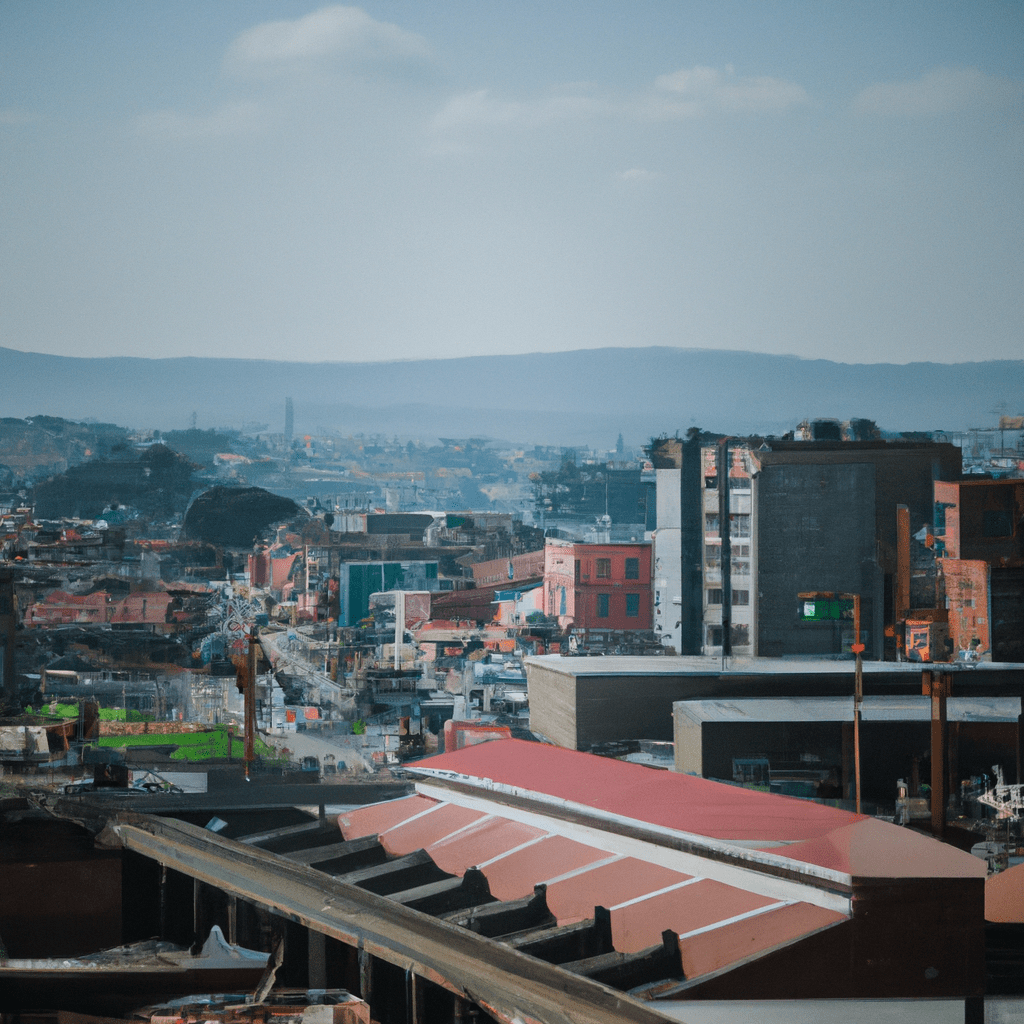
[(825, 609)]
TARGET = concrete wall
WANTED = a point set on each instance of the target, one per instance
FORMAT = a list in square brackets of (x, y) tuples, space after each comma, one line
[(553, 705)]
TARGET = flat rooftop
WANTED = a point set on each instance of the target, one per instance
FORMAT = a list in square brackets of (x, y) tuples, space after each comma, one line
[(615, 665), (840, 709)]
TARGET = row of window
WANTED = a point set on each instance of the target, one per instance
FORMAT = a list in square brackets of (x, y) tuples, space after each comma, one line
[(739, 597), (603, 606), (738, 566), (603, 568)]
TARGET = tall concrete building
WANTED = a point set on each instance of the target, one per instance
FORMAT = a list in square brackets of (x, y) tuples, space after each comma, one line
[(803, 517), (824, 518), (678, 544), (727, 595)]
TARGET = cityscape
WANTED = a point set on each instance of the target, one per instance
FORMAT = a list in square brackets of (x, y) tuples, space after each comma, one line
[(772, 685), (511, 513)]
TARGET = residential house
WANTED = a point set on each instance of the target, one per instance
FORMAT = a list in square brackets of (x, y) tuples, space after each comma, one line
[(598, 586)]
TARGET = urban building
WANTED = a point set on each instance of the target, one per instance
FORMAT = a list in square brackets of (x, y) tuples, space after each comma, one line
[(979, 544), (580, 703), (678, 544), (824, 520), (598, 586), (735, 541)]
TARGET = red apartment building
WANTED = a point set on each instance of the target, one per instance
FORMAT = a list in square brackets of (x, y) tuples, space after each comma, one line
[(598, 586)]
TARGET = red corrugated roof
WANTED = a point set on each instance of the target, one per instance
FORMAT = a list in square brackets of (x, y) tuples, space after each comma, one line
[(813, 833), (442, 820), (730, 941), (717, 922), (665, 799), (526, 814), (872, 849)]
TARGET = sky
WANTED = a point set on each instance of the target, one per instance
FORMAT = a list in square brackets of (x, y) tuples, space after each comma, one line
[(831, 179)]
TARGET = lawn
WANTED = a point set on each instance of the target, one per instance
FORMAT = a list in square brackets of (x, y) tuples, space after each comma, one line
[(193, 746)]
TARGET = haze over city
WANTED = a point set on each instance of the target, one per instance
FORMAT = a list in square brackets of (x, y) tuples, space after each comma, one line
[(400, 180)]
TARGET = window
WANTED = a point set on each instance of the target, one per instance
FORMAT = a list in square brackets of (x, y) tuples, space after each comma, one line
[(711, 524), (739, 524), (632, 568), (602, 606), (577, 570), (740, 568), (632, 606), (740, 550), (715, 595), (713, 555), (741, 597), (604, 568), (740, 635)]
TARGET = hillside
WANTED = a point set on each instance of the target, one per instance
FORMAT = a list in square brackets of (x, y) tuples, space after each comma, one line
[(584, 397)]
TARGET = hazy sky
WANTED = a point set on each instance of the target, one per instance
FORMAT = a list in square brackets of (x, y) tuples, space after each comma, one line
[(405, 179)]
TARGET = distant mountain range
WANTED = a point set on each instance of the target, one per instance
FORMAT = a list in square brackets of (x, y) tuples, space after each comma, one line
[(560, 398)]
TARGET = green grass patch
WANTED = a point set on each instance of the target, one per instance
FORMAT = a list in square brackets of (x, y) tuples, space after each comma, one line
[(106, 714), (194, 746)]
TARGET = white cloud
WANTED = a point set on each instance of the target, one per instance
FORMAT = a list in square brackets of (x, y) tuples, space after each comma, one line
[(331, 33), (692, 92), (942, 91), (481, 108), (687, 93), (231, 119)]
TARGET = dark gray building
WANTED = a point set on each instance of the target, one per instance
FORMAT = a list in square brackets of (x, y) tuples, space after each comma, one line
[(824, 519)]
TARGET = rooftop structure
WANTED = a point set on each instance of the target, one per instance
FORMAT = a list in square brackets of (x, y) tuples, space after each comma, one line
[(579, 702)]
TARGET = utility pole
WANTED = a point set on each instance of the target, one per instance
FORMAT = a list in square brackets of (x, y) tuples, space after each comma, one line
[(858, 694), (245, 681), (831, 607)]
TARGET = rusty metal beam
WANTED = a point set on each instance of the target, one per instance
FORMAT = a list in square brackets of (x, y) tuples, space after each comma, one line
[(509, 984)]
